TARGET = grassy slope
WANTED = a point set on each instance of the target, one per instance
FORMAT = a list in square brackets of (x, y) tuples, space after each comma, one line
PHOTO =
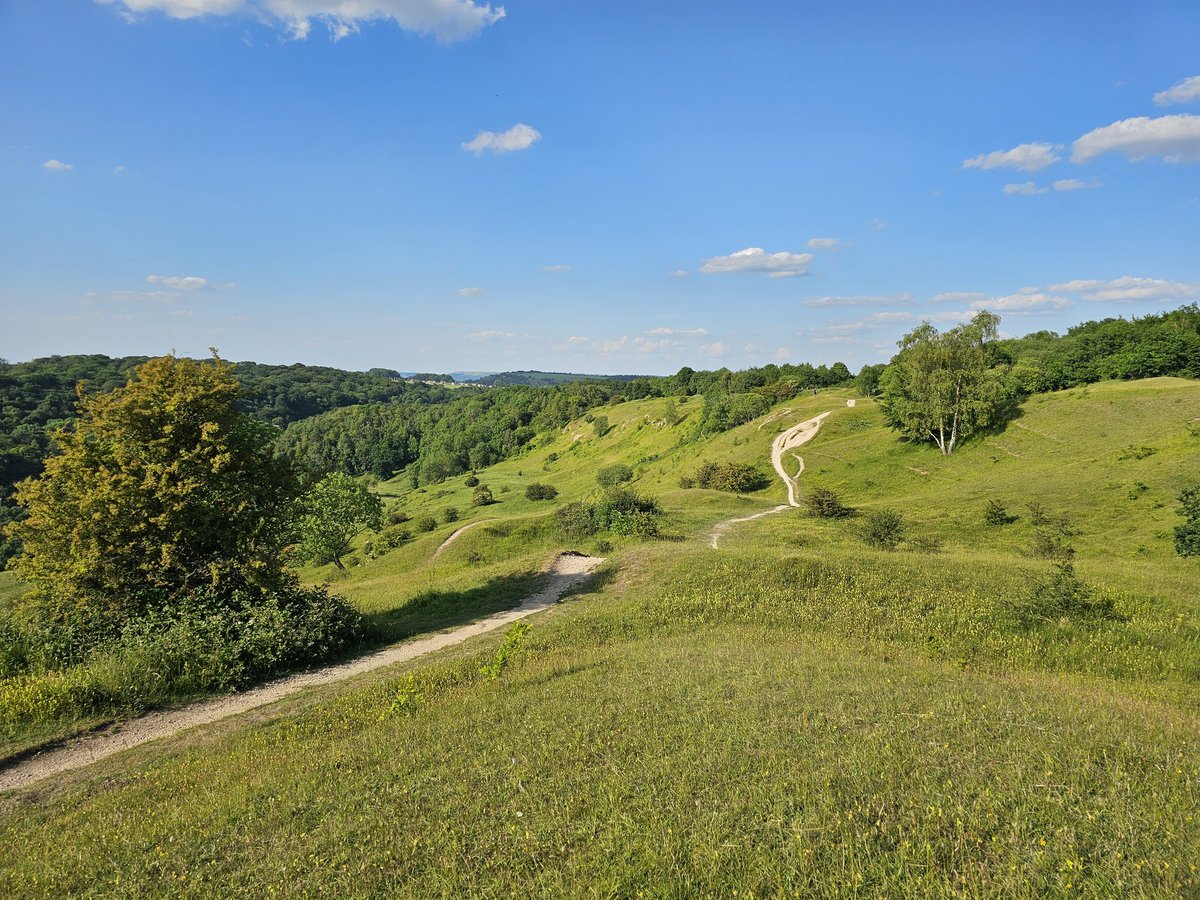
[(795, 712)]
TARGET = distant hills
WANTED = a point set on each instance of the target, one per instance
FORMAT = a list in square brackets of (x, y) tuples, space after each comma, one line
[(529, 377)]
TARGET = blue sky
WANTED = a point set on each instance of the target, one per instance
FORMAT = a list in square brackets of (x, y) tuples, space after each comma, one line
[(604, 187)]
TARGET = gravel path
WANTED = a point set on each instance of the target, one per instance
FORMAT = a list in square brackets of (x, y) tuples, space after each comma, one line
[(567, 571)]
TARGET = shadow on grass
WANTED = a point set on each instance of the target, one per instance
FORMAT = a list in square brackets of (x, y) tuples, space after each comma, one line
[(437, 610)]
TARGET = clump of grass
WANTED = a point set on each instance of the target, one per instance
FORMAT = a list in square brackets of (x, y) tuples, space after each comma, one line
[(883, 529)]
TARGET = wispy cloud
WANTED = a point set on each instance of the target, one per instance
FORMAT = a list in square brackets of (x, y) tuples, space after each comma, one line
[(1024, 189), (490, 335), (1025, 157), (189, 283), (756, 259), (1127, 288), (688, 332), (679, 273), (445, 20), (1176, 139), (519, 137), (1074, 184), (1185, 91), (558, 268), (861, 300), (470, 291), (54, 165), (824, 243), (958, 297), (716, 349)]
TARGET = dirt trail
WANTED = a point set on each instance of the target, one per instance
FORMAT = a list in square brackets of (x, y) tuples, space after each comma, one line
[(787, 440), (567, 571), (454, 537)]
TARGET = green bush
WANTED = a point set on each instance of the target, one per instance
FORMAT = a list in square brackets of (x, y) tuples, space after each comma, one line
[(996, 513), (611, 476), (450, 515), (1187, 535), (1062, 595), (425, 523), (824, 503), (736, 478), (576, 520), (883, 529), (396, 516), (472, 480), (538, 491), (482, 496)]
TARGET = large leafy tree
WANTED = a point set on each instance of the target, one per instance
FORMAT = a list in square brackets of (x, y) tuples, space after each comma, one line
[(944, 387), (334, 512), (162, 487)]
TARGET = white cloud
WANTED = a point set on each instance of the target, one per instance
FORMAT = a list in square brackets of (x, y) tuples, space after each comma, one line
[(556, 268), (861, 300), (783, 353), (1025, 301), (445, 20), (1026, 157), (824, 243), (489, 335), (1175, 138), (714, 349), (117, 170), (756, 259), (470, 291), (519, 137), (679, 273), (958, 297), (154, 296), (691, 332), (1074, 184), (54, 165), (1128, 287), (182, 313), (1024, 189), (188, 283), (641, 345), (878, 225), (612, 346), (575, 340), (1186, 91)]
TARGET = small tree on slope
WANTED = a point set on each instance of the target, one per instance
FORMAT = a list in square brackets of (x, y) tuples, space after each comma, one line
[(334, 512), (941, 387)]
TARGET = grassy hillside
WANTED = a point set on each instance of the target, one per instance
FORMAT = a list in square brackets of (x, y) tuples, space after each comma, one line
[(792, 713)]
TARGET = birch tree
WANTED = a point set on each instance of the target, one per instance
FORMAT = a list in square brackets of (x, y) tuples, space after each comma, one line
[(941, 387)]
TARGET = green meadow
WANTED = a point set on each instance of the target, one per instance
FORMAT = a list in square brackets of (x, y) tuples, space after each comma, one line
[(795, 713)]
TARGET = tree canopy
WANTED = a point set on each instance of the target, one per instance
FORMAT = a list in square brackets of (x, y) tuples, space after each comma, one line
[(335, 511), (944, 387), (164, 486)]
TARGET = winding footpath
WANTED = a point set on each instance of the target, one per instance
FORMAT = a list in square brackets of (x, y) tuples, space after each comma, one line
[(566, 572), (788, 440)]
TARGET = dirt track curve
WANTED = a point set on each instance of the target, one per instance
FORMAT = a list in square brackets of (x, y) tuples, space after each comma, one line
[(786, 441), (567, 571)]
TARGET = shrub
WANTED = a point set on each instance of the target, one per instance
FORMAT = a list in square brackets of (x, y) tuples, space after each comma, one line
[(1061, 594), (472, 481), (575, 520), (600, 423), (450, 514), (1187, 535), (482, 496), (396, 516), (611, 476), (883, 529), (924, 544), (388, 539), (538, 491), (425, 523), (823, 503), (1050, 544), (996, 513), (1037, 514), (727, 476)]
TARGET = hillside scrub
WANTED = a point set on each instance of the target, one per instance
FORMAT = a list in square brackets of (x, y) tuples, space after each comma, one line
[(621, 511), (824, 503), (737, 478)]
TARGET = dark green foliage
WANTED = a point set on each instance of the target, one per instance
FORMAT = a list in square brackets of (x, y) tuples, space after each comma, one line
[(737, 478), (824, 503), (996, 513), (1187, 535), (611, 476), (1051, 543), (472, 480), (576, 520), (482, 496), (1062, 595), (1037, 514), (600, 424), (883, 529), (1136, 453), (868, 379), (387, 540), (425, 523), (621, 511), (450, 514), (331, 514), (396, 515), (537, 491)]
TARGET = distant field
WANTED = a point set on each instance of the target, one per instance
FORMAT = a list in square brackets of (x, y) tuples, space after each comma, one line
[(795, 713)]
